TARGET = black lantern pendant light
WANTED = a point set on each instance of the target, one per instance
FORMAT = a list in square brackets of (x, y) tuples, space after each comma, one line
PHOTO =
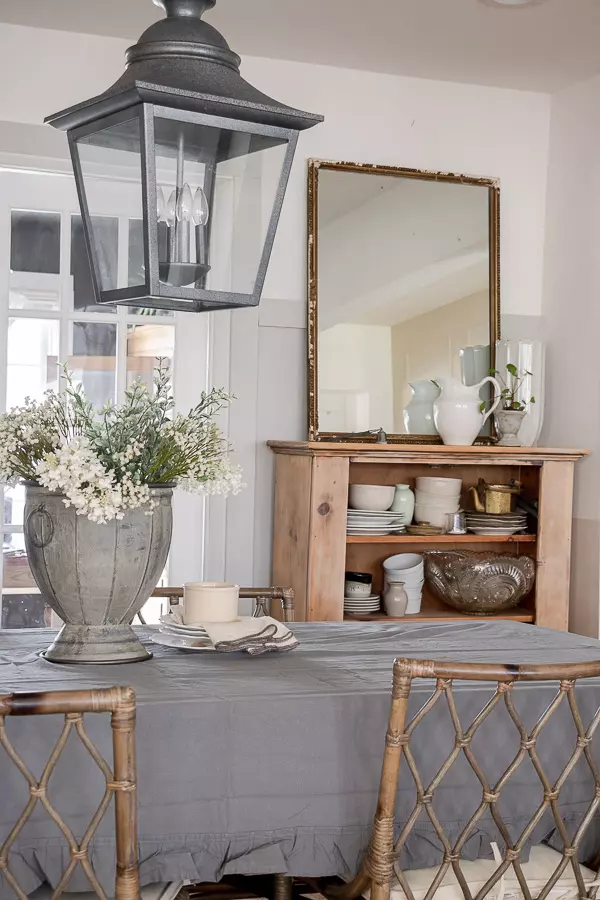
[(198, 157)]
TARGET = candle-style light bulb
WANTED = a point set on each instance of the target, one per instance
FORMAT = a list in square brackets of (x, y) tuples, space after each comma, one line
[(171, 209), (200, 210), (161, 209), (184, 204)]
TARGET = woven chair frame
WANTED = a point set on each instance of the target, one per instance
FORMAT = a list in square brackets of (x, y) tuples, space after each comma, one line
[(264, 598), (120, 783), (381, 861)]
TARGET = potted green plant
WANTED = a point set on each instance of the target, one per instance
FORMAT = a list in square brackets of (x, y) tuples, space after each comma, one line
[(512, 409)]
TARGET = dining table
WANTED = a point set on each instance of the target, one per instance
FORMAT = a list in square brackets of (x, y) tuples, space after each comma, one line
[(271, 763)]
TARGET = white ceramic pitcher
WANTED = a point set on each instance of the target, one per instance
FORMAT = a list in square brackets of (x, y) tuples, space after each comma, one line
[(457, 411)]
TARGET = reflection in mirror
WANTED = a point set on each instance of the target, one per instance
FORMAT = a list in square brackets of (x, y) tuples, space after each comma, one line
[(403, 291)]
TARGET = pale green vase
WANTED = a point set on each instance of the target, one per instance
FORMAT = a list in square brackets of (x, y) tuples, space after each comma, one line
[(404, 502)]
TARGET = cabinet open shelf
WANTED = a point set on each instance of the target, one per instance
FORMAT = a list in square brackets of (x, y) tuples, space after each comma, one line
[(447, 614), (312, 551), (441, 539)]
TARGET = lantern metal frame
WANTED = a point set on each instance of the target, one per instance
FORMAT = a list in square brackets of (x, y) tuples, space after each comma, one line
[(181, 69), (184, 299)]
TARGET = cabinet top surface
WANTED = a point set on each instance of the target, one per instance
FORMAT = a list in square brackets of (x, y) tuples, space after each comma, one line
[(425, 451)]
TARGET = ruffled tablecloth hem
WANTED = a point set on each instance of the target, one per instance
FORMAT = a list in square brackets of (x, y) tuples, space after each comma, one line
[(205, 857)]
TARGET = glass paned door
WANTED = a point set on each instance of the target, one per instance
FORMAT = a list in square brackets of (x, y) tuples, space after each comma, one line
[(48, 315)]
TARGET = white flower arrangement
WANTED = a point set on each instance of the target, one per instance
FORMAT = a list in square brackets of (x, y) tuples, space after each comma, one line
[(104, 461)]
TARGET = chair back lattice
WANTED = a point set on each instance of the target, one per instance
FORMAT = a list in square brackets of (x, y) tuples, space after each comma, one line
[(120, 783), (382, 859)]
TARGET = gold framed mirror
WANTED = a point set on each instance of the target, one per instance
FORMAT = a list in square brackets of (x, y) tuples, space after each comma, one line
[(404, 286)]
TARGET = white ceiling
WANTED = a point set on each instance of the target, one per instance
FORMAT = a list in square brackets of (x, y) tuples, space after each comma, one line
[(343, 192), (542, 47)]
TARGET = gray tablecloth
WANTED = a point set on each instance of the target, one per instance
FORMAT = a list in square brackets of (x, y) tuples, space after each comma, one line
[(271, 764)]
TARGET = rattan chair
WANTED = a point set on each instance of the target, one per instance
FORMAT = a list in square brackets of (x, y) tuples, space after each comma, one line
[(382, 859), (120, 783)]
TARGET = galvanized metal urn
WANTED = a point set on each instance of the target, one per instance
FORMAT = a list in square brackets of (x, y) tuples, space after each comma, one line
[(96, 577)]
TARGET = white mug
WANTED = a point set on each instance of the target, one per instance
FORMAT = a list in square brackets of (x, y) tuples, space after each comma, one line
[(210, 601)]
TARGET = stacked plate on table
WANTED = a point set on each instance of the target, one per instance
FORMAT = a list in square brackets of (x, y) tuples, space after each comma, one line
[(372, 522), (362, 606), (184, 637), (496, 523)]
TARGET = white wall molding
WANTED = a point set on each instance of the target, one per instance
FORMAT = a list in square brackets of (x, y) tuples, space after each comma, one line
[(219, 376), (282, 313)]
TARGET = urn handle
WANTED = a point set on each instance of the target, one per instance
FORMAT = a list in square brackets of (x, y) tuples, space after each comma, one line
[(39, 527)]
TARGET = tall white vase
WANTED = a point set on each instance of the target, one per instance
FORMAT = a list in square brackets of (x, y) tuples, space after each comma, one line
[(527, 356)]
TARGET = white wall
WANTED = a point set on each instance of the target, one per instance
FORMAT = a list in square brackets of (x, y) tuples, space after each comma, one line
[(369, 118), (572, 325)]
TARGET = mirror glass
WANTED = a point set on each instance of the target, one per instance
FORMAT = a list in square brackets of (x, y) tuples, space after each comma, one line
[(404, 292)]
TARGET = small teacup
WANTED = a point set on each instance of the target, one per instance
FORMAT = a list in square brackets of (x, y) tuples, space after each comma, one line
[(358, 584), (210, 601)]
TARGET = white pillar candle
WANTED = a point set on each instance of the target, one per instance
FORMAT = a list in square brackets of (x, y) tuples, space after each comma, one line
[(210, 601)]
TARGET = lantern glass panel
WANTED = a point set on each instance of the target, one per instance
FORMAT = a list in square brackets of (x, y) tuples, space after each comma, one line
[(216, 190), (111, 169)]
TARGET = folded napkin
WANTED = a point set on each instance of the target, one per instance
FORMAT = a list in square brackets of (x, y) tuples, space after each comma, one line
[(254, 635)]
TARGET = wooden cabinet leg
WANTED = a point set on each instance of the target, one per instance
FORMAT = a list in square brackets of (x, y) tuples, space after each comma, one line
[(327, 555), (292, 526), (554, 545)]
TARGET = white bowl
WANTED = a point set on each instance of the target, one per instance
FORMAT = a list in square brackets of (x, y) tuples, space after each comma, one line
[(425, 515), (439, 486), (447, 504), (404, 562), (414, 588), (412, 576), (413, 607), (450, 506), (371, 496), (426, 497), (433, 515), (411, 579)]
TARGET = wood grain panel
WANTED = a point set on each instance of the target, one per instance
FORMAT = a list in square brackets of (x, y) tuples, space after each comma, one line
[(291, 536), (447, 614), (329, 505), (369, 451), (554, 545), (462, 541)]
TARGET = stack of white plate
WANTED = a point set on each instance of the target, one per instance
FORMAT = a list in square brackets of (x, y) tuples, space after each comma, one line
[(370, 522), (362, 606), (184, 637), (496, 523)]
